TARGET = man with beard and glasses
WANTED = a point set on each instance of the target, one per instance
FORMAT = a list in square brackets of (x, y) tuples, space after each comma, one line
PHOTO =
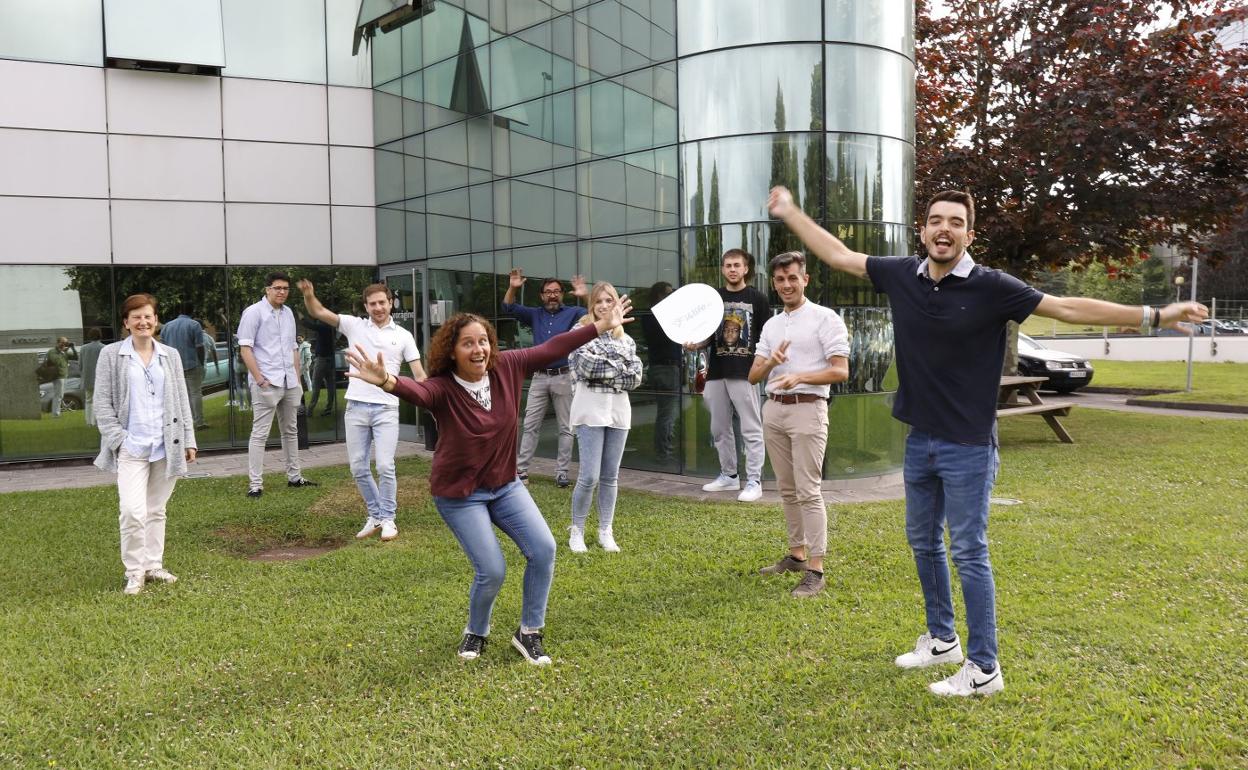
[(949, 324)]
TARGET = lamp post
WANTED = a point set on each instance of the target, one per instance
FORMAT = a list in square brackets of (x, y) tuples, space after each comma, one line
[(1178, 288)]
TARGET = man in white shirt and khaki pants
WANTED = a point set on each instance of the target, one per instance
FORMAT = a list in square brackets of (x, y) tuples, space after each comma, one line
[(372, 415), (800, 353)]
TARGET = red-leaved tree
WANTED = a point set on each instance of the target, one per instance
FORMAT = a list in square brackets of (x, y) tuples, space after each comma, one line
[(1085, 130)]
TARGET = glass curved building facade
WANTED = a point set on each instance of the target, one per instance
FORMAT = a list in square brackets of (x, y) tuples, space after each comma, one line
[(634, 141)]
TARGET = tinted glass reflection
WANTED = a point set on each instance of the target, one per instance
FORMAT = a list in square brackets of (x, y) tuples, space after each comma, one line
[(751, 90), (709, 24), (870, 91), (870, 178), (726, 180), (886, 23)]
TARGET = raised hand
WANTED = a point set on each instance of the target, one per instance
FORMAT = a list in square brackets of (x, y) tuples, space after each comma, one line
[(305, 287), (780, 202), (1181, 315), (579, 289), (619, 315), (779, 355), (373, 372), (516, 279)]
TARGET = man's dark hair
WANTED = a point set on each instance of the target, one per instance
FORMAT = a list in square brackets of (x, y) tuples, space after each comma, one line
[(276, 275), (781, 261), (954, 196), (93, 334), (377, 288), (658, 291), (547, 281), (746, 256)]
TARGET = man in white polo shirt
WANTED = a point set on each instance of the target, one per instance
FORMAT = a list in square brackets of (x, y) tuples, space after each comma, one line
[(372, 415), (800, 353)]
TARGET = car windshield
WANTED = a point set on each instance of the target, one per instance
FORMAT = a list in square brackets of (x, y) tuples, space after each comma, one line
[(1027, 343)]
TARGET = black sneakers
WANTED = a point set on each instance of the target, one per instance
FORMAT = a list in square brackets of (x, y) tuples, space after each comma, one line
[(255, 492), (302, 482), (530, 646), (472, 645), (561, 479)]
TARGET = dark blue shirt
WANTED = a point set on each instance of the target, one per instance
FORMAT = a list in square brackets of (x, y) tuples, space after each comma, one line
[(324, 337), (950, 343), (185, 335), (546, 324)]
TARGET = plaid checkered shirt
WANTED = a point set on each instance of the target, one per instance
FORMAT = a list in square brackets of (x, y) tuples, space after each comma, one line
[(606, 364)]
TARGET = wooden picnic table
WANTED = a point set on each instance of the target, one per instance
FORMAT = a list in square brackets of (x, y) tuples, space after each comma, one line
[(1009, 403)]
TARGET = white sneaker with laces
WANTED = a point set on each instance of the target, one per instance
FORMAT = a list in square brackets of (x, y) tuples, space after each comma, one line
[(930, 651), (722, 483), (970, 680), (161, 574), (134, 584), (370, 526), (606, 539), (753, 491), (576, 539), (389, 530)]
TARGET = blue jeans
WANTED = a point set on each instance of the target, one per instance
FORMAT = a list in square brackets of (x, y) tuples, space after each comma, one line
[(601, 449), (951, 482), (511, 509), (375, 427)]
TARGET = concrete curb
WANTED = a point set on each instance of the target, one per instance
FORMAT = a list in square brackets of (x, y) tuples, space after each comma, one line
[(1194, 407)]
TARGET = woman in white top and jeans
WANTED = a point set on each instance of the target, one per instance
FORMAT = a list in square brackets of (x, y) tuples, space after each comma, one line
[(147, 436), (603, 370)]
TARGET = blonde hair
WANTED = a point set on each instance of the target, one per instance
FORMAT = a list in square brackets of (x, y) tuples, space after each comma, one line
[(599, 288)]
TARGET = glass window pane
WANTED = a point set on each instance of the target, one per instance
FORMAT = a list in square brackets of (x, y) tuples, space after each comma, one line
[(522, 66), (448, 31), (870, 177), (741, 91), (159, 30), (275, 40), (740, 22), (870, 91), (611, 38), (344, 69), (632, 192), (386, 50), (460, 85), (726, 180), (64, 31), (886, 23), (39, 305)]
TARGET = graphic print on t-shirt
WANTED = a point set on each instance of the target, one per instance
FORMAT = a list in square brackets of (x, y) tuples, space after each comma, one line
[(735, 334)]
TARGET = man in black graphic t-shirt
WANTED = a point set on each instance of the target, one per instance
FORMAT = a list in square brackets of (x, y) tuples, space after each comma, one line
[(727, 389)]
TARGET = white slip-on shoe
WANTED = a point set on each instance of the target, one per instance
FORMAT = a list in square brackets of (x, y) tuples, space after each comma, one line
[(606, 539), (370, 526), (389, 530), (970, 680), (723, 483), (930, 651), (576, 539), (753, 491), (161, 574), (134, 584)]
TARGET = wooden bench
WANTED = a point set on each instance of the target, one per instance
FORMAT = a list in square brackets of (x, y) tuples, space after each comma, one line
[(1008, 403)]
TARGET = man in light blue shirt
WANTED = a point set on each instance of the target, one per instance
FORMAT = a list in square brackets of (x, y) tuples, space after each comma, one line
[(185, 335), (266, 339)]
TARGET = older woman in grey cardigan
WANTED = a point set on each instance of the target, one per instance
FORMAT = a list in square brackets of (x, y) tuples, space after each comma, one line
[(147, 436)]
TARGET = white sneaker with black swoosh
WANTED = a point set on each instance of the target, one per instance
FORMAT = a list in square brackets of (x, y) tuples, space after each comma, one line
[(970, 680), (930, 651)]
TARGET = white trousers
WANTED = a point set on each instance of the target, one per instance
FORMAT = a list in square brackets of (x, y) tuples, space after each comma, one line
[(143, 490)]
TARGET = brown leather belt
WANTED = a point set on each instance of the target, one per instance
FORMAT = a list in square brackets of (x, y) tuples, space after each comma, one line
[(555, 372), (795, 398)]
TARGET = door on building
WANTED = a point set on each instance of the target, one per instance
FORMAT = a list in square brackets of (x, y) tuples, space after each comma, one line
[(408, 285)]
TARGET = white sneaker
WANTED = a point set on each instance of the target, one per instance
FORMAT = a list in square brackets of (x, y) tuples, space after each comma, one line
[(576, 539), (370, 526), (606, 539), (722, 483), (930, 651), (753, 491), (389, 530), (134, 584), (161, 574), (970, 680)]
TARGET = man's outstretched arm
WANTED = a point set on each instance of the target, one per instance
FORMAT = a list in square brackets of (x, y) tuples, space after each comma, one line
[(314, 306), (1082, 310), (821, 243)]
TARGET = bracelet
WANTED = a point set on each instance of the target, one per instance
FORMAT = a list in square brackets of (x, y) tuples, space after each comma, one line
[(1145, 316), (1157, 318), (386, 382)]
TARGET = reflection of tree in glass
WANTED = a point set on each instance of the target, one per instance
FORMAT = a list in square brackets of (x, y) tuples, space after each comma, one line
[(784, 172)]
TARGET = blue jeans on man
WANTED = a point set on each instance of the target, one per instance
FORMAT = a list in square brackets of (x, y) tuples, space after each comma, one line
[(948, 482), (374, 428), (472, 520)]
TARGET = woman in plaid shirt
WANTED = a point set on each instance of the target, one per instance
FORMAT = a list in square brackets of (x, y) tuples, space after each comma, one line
[(603, 370)]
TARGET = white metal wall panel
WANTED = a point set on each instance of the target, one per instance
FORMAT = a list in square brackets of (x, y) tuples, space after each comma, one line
[(164, 104), (55, 96), (163, 168), (268, 234), (270, 111), (61, 231), (56, 163), (262, 172), (168, 233)]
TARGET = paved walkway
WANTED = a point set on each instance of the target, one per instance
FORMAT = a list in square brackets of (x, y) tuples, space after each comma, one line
[(1118, 402), (74, 474)]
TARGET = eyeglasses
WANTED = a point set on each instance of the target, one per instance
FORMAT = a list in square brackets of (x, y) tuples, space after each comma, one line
[(279, 289)]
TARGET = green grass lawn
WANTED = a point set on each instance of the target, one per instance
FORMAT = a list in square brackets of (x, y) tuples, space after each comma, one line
[(1221, 383), (1122, 584)]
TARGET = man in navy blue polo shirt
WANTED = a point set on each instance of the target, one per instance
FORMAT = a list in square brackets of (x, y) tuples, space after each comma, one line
[(949, 324), (552, 385)]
